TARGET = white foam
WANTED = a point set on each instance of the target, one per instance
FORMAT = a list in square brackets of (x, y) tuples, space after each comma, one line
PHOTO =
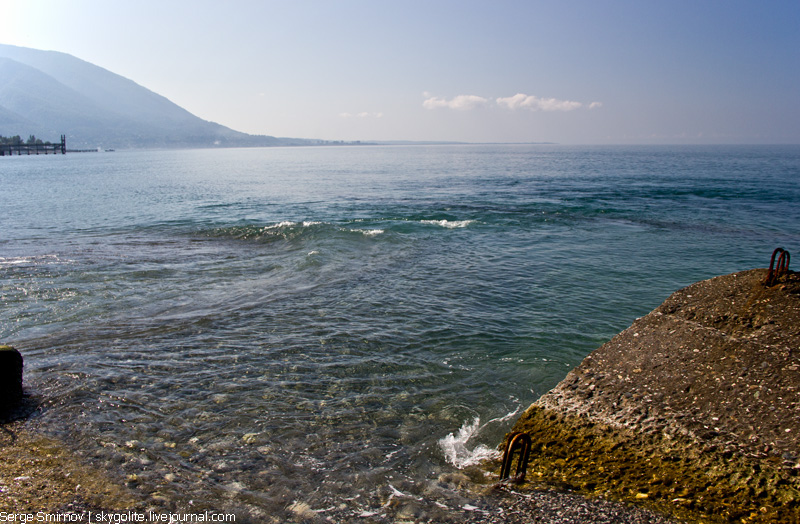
[(507, 416), (449, 224), (13, 261), (285, 223), (456, 451), (36, 259), (289, 223)]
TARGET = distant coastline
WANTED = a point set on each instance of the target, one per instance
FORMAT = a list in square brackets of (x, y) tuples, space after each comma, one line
[(449, 143)]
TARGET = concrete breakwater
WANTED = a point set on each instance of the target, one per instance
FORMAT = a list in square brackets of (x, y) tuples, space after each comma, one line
[(694, 410), (10, 379)]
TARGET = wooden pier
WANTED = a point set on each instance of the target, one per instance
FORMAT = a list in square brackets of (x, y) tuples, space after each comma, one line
[(34, 149)]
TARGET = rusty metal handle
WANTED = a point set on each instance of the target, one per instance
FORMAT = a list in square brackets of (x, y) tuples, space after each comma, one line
[(521, 441), (780, 269)]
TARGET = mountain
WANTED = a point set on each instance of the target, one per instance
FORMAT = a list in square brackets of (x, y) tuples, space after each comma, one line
[(47, 94)]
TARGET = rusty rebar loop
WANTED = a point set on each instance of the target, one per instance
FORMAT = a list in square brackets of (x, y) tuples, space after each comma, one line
[(780, 269), (521, 442), (783, 264)]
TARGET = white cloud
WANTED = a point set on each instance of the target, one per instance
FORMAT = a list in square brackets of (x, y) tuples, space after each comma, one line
[(518, 101), (534, 103), (460, 102)]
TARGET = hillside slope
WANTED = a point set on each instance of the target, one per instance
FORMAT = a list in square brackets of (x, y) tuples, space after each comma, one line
[(47, 93)]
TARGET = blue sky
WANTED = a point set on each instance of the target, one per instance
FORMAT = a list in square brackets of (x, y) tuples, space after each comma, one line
[(576, 72)]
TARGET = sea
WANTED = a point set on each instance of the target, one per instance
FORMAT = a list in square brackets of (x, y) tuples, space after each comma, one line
[(339, 333)]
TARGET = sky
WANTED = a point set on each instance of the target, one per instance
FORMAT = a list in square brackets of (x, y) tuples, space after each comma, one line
[(572, 72)]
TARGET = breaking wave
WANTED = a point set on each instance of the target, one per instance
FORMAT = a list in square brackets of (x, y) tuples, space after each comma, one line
[(28, 260), (455, 447), (287, 230), (449, 224)]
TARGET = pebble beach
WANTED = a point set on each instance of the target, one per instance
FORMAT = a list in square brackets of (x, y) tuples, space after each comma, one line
[(38, 475)]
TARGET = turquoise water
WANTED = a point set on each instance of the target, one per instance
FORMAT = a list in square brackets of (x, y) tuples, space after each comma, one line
[(249, 330)]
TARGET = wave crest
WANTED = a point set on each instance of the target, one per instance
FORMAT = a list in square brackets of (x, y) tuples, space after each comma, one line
[(456, 451), (289, 230), (449, 224), (34, 260)]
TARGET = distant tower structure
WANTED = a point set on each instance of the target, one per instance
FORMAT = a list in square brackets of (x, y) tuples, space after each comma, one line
[(63, 144)]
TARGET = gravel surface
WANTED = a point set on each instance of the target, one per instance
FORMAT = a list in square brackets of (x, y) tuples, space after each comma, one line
[(38, 474), (545, 506)]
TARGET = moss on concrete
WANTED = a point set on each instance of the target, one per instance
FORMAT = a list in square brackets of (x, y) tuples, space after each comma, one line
[(671, 475)]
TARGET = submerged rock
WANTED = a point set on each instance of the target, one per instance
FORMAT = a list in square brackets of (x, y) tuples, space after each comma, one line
[(10, 378), (694, 409)]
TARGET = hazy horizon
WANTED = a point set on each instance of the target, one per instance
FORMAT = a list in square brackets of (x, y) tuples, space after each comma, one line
[(581, 72)]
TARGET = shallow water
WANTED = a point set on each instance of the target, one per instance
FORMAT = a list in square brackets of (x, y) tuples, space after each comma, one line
[(337, 328)]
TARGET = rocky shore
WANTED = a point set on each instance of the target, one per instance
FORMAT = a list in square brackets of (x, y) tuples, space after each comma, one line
[(694, 410), (692, 413), (39, 474)]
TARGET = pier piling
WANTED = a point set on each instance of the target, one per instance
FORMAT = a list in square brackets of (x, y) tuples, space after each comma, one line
[(34, 149)]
